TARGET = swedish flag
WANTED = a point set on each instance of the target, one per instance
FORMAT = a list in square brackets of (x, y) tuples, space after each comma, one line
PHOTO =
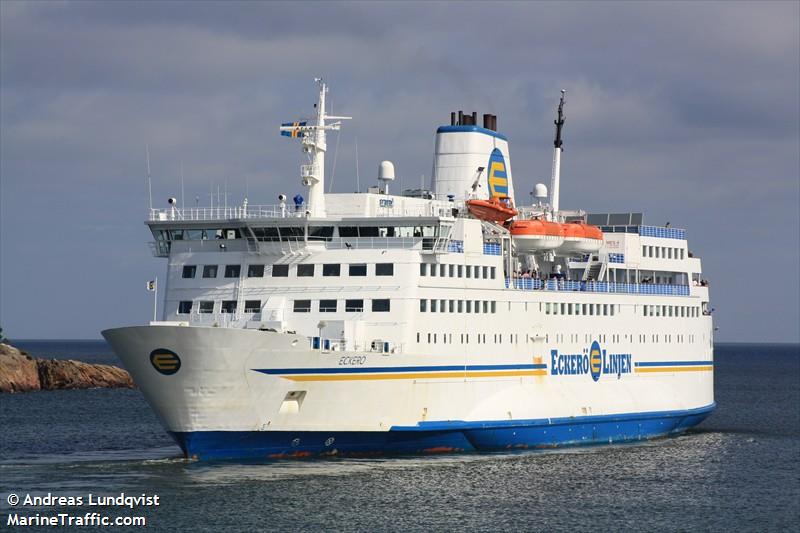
[(294, 131)]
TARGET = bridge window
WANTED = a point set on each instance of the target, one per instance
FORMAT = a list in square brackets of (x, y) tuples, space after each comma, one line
[(233, 271), (228, 306), (255, 271), (358, 270), (305, 271), (210, 271), (280, 271), (189, 271), (184, 308), (206, 307), (354, 306), (327, 306), (331, 269), (384, 269), (252, 306), (380, 306), (302, 306)]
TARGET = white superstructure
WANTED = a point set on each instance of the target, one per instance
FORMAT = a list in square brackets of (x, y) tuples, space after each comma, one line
[(372, 322)]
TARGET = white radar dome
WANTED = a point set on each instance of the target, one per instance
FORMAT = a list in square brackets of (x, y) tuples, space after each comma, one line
[(540, 191), (386, 171)]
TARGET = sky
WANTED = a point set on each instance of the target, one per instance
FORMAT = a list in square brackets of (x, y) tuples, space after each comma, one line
[(686, 111)]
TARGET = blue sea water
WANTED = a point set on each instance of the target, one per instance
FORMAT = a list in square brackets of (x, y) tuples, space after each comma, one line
[(739, 470)]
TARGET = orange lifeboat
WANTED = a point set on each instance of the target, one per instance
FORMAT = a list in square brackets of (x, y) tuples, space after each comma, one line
[(536, 235), (581, 237), (494, 209)]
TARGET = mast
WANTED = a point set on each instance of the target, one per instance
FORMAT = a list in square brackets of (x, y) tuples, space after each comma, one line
[(312, 175), (556, 174)]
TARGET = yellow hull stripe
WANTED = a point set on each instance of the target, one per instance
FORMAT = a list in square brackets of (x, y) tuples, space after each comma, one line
[(676, 369), (416, 375)]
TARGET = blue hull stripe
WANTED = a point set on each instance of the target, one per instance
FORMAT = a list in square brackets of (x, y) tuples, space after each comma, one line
[(373, 369), (676, 363), (440, 437)]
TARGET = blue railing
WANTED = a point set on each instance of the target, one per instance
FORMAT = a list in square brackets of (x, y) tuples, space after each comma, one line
[(531, 284), (490, 248), (658, 231), (455, 246), (616, 258)]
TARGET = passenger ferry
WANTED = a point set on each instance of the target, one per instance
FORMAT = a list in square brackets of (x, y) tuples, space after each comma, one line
[(442, 320)]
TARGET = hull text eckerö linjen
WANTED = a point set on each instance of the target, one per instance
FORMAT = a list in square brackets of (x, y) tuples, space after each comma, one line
[(437, 320)]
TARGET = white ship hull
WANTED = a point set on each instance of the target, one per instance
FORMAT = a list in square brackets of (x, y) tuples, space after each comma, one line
[(250, 393)]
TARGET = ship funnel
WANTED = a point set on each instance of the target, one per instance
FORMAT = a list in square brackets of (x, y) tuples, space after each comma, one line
[(471, 161)]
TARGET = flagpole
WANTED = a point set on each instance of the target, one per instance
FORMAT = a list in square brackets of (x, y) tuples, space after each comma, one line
[(155, 301)]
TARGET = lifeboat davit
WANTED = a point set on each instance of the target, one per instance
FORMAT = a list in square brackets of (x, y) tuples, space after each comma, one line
[(494, 209), (536, 235), (581, 237)]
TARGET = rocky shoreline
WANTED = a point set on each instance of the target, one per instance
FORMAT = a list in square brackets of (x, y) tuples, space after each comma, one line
[(19, 372)]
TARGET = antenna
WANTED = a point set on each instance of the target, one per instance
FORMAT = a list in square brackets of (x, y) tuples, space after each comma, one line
[(358, 178), (183, 196), (557, 149), (149, 181)]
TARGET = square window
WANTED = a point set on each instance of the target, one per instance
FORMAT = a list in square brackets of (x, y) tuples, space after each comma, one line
[(327, 306), (189, 271), (252, 306), (206, 307), (357, 270), (354, 306), (228, 306), (210, 271), (255, 271), (305, 271), (384, 269), (280, 271), (331, 269), (184, 308), (302, 306), (233, 271), (380, 306)]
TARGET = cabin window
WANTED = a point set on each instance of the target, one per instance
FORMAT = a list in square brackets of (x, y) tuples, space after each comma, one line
[(494, 306), (327, 306), (233, 271), (451, 271), (485, 272), (442, 271), (380, 306), (302, 306), (255, 271), (423, 267), (252, 306), (433, 271), (228, 306), (189, 271), (305, 271), (461, 306), (206, 307), (210, 271), (358, 270), (469, 271), (280, 271), (434, 305), (494, 272), (460, 271), (184, 308), (354, 306), (331, 269), (423, 305), (384, 269), (452, 306)]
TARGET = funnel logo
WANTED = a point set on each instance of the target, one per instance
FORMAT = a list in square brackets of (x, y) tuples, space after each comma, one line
[(165, 361), (498, 177), (595, 361)]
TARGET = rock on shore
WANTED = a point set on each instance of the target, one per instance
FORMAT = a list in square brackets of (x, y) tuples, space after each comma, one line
[(20, 372)]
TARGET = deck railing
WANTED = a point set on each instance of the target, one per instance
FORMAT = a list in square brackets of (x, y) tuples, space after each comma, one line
[(531, 284)]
